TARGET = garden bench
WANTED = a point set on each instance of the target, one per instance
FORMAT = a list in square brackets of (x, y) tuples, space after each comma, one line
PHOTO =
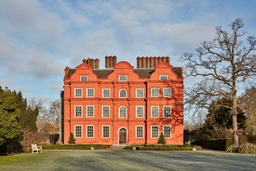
[(36, 148)]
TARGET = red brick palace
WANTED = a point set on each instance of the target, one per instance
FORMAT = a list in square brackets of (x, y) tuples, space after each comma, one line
[(122, 104)]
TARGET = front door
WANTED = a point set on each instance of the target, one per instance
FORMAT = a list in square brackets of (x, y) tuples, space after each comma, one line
[(122, 136)]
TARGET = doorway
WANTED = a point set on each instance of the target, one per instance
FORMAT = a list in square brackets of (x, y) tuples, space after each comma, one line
[(122, 136)]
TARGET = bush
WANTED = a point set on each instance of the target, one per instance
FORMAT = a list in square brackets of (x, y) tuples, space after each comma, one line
[(74, 146), (164, 148), (71, 139), (246, 149)]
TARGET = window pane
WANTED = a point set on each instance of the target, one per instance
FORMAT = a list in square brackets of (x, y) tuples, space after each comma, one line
[(167, 92), (122, 93), (139, 132), (90, 111), (78, 131), (139, 111), (154, 92), (83, 78), (154, 111), (139, 93), (163, 77), (106, 131), (78, 111), (78, 92), (105, 111), (90, 92), (123, 78), (122, 112), (167, 131), (89, 131), (167, 111), (154, 131), (106, 93)]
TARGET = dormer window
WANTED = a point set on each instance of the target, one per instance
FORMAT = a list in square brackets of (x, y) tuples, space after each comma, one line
[(122, 78), (163, 77), (83, 78)]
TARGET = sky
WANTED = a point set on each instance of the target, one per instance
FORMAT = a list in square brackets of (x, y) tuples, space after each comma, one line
[(39, 38)]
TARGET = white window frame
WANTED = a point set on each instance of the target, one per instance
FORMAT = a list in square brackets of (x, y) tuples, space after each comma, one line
[(88, 94), (103, 135), (103, 95), (136, 108), (139, 89), (121, 111), (87, 111), (137, 131), (161, 77), (152, 112), (152, 131), (82, 78), (170, 133), (152, 92), (75, 131), (164, 111), (75, 92), (93, 131), (165, 92), (75, 111), (103, 112), (123, 78), (125, 93)]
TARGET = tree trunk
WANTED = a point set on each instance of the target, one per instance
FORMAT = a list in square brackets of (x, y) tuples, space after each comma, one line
[(234, 121)]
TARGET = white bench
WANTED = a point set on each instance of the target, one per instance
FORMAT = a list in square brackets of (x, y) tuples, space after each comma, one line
[(36, 148)]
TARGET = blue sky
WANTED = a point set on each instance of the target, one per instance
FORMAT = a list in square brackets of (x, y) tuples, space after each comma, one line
[(39, 38)]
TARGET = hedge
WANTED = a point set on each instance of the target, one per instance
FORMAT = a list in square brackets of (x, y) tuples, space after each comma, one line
[(74, 146), (216, 144), (164, 147)]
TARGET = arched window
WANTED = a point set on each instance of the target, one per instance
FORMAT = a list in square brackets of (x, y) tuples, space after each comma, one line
[(122, 112), (122, 93)]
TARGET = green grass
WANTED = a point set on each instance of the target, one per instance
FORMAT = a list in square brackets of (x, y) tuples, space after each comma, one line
[(127, 160)]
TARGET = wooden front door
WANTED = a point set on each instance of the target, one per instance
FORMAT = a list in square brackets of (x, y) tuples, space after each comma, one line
[(122, 136)]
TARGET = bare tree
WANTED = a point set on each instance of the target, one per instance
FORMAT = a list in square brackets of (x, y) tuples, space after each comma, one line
[(222, 64)]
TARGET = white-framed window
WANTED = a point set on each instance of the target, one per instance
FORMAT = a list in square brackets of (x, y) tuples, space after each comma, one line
[(154, 131), (122, 112), (122, 93), (106, 93), (139, 132), (105, 131), (154, 111), (90, 92), (78, 131), (154, 92), (163, 77), (139, 93), (90, 111), (105, 111), (122, 78), (167, 131), (139, 111), (167, 92), (78, 111), (78, 92), (83, 78), (167, 111), (89, 131)]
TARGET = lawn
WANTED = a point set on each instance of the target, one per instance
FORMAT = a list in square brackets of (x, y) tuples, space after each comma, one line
[(127, 160)]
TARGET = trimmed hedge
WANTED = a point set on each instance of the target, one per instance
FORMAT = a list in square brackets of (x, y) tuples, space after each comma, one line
[(164, 147), (216, 144), (74, 146)]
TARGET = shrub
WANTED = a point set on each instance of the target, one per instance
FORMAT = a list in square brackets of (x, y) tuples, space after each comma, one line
[(246, 149), (164, 148), (161, 139), (74, 146), (71, 139)]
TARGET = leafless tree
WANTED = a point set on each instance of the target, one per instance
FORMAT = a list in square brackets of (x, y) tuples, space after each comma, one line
[(221, 64)]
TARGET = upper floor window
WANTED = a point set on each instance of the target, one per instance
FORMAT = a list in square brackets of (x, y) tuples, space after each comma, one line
[(167, 92), (106, 93), (154, 92), (105, 111), (139, 93), (154, 111), (78, 92), (167, 131), (122, 78), (90, 92), (78, 131), (122, 112), (122, 93), (78, 111), (139, 111), (163, 77), (167, 111), (83, 78), (90, 111)]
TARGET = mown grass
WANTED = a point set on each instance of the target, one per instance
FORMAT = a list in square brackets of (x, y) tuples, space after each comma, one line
[(127, 160)]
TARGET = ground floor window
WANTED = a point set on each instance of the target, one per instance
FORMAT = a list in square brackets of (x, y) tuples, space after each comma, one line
[(78, 131), (90, 132), (167, 131), (106, 131), (139, 131), (154, 131)]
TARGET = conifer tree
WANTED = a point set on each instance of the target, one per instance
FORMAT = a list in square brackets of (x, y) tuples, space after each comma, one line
[(71, 139), (161, 139)]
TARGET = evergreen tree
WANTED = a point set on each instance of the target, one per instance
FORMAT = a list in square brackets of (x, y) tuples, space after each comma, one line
[(161, 139), (71, 139)]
